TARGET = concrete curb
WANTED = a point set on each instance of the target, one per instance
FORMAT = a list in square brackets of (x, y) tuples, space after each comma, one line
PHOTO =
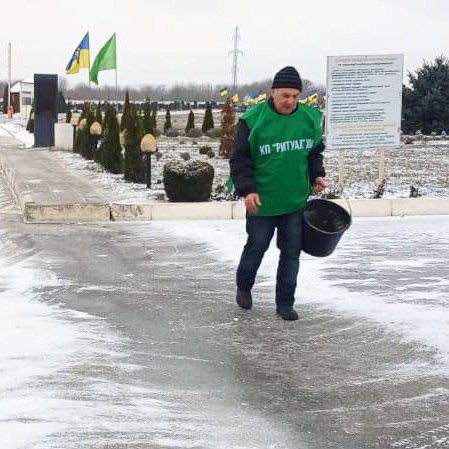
[(235, 210), (67, 213), (102, 211)]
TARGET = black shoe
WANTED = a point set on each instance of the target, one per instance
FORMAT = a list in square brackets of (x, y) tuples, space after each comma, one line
[(244, 299), (288, 314)]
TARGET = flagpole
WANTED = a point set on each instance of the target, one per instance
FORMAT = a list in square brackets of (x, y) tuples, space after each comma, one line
[(116, 88), (88, 74), (88, 78), (116, 85)]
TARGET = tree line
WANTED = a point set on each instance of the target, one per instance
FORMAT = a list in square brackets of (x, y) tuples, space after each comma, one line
[(424, 101), (179, 92)]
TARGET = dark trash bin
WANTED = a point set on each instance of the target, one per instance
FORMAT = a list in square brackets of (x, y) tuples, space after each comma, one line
[(323, 225)]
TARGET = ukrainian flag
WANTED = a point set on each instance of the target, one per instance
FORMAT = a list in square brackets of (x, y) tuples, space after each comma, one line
[(235, 98), (80, 58), (312, 99), (248, 99), (223, 92), (261, 97)]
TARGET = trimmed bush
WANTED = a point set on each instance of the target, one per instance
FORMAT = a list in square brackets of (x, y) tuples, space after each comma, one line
[(214, 133), (194, 132), (188, 182), (205, 149), (185, 155), (172, 132)]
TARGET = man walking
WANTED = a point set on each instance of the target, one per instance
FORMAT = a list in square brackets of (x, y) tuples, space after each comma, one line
[(276, 159)]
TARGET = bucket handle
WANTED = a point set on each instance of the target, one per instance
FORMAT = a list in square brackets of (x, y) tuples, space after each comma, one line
[(348, 203), (343, 196)]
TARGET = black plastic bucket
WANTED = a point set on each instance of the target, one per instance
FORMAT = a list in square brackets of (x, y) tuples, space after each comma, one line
[(323, 225)]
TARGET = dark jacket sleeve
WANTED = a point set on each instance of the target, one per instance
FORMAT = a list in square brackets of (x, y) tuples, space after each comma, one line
[(315, 162), (241, 164)]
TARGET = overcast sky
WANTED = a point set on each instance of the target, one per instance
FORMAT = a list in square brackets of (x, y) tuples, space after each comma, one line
[(181, 41)]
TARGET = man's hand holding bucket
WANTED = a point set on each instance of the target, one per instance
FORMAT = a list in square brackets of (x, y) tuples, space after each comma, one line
[(319, 184)]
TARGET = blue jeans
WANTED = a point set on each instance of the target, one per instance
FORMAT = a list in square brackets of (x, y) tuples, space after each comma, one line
[(260, 231)]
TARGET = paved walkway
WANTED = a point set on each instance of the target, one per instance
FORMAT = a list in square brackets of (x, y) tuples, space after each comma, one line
[(47, 191)]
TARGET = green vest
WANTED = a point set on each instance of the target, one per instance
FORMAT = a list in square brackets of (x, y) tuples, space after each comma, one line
[(279, 146)]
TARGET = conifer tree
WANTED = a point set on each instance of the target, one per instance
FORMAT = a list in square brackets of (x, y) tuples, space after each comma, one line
[(126, 113), (134, 164), (154, 117), (110, 149), (148, 126), (98, 114), (84, 109), (227, 129), (68, 116), (424, 103), (84, 143), (91, 142), (190, 122), (208, 122), (167, 124), (30, 123)]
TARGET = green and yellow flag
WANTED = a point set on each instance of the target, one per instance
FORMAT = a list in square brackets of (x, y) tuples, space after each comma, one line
[(105, 60)]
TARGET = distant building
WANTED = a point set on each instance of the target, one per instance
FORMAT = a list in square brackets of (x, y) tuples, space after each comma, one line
[(22, 95)]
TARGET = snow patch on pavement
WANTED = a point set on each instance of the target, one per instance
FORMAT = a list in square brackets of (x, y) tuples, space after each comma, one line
[(16, 128), (65, 378), (407, 313)]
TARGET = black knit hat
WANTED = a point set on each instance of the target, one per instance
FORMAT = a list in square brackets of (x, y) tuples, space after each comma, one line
[(287, 77)]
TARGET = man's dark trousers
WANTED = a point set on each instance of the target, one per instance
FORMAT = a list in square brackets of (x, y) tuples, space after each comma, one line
[(260, 231)]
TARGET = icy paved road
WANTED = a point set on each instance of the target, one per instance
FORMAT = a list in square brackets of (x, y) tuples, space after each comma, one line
[(387, 371), (128, 337)]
